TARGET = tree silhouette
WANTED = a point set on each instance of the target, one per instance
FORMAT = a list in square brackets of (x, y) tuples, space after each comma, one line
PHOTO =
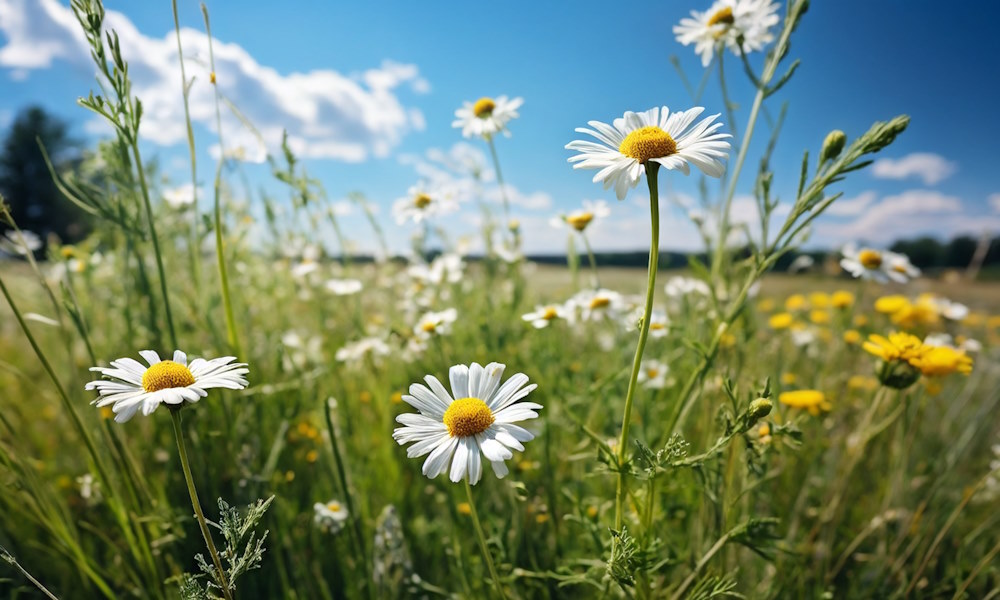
[(26, 183)]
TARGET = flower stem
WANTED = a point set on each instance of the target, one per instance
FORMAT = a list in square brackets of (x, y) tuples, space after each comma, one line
[(175, 417), (503, 188), (654, 255), (482, 541), (595, 281)]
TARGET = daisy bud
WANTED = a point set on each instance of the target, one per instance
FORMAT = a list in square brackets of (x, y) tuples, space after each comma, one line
[(759, 408), (897, 374), (832, 145)]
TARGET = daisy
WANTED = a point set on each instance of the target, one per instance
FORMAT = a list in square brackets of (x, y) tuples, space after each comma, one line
[(420, 203), (20, 242), (655, 135), (581, 219), (132, 386), (877, 265), (330, 517), (480, 419), (899, 268), (726, 22), (179, 198), (659, 323), (653, 374), (487, 116), (680, 287), (435, 323), (344, 287), (543, 315), (355, 352), (597, 305)]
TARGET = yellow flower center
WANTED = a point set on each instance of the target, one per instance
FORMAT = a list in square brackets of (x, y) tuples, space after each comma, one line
[(599, 302), (467, 416), (333, 506), (652, 373), (900, 268), (646, 143), (579, 221), (422, 201), (428, 326), (550, 313), (870, 259), (166, 374), (657, 326), (723, 16), (484, 107)]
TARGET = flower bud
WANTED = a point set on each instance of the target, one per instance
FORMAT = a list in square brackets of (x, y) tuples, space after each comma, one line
[(832, 145), (759, 408), (897, 374)]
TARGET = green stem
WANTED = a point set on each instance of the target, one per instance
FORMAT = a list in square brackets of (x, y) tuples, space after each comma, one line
[(220, 248), (156, 242), (654, 255), (13, 561), (175, 417), (482, 541), (503, 188), (595, 281)]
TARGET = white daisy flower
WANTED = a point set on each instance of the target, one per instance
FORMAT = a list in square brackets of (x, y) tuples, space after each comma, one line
[(435, 323), (680, 287), (724, 23), (659, 323), (180, 197), (899, 268), (655, 135), (582, 218), (21, 243), (545, 314), (479, 420), (953, 311), (421, 203), (355, 352), (653, 374), (344, 287), (330, 517), (597, 305), (487, 116), (132, 386), (875, 265), (447, 267)]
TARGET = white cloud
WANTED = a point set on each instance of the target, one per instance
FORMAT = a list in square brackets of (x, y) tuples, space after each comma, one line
[(901, 215), (994, 201), (327, 114), (851, 207), (931, 168)]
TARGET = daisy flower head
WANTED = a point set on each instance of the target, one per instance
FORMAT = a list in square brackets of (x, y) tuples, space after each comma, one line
[(435, 323), (330, 517), (131, 386), (653, 374), (725, 23), (667, 139), (544, 314), (580, 219), (477, 419), (421, 203), (487, 117), (877, 265), (344, 287), (354, 353), (659, 322), (597, 305), (21, 243)]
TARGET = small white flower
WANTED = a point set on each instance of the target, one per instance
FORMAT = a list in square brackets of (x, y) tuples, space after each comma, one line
[(21, 243), (179, 197), (487, 116), (877, 265), (724, 23), (680, 287), (653, 374), (344, 287), (355, 352), (330, 517), (899, 268), (435, 323), (597, 305), (421, 203), (479, 421), (580, 219), (132, 386), (659, 323), (655, 135), (544, 314)]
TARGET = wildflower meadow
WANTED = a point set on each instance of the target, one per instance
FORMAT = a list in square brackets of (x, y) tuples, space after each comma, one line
[(215, 394)]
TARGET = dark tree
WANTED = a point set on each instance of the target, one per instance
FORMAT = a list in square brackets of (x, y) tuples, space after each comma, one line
[(36, 204)]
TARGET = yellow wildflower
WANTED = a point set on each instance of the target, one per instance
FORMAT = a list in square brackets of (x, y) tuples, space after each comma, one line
[(842, 299), (811, 400), (796, 302), (781, 320)]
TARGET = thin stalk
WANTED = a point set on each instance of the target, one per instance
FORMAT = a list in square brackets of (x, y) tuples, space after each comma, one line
[(595, 281), (482, 541), (195, 247), (701, 565), (175, 418), (654, 255), (348, 497), (13, 561), (220, 249), (156, 242), (503, 188)]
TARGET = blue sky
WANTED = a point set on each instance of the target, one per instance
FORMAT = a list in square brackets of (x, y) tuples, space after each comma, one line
[(368, 90)]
